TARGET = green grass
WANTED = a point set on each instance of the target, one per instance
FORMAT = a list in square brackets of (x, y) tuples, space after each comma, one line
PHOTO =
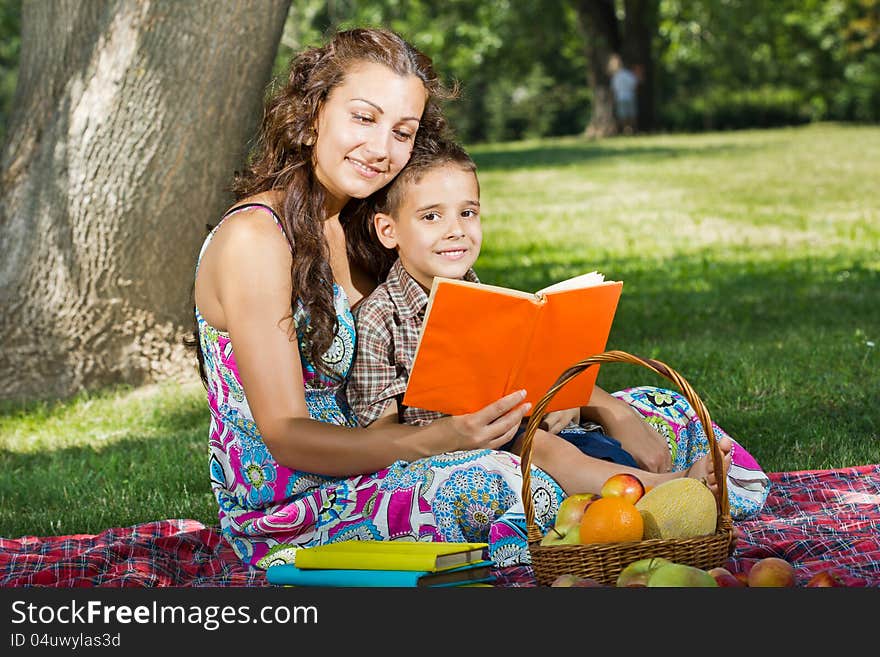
[(105, 460), (751, 265)]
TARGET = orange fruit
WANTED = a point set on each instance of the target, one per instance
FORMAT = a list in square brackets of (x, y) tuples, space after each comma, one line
[(611, 520)]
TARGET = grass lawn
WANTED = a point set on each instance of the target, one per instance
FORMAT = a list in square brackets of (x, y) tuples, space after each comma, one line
[(750, 261)]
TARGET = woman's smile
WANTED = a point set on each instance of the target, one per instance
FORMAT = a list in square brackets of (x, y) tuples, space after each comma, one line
[(364, 169)]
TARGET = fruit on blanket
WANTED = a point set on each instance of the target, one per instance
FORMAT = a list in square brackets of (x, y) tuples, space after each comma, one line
[(624, 485), (565, 579), (771, 572), (638, 572), (824, 578), (611, 520), (587, 582), (681, 575), (725, 578), (678, 508), (572, 580), (566, 527)]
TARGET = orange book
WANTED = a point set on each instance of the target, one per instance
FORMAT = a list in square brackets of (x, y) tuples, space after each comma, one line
[(481, 342)]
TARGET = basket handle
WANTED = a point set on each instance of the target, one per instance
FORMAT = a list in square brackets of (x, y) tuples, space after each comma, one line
[(620, 357)]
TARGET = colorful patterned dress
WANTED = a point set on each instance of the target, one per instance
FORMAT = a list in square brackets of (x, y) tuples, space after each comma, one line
[(267, 510)]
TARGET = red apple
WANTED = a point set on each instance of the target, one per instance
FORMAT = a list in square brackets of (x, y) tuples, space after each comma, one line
[(587, 582), (771, 572), (742, 577), (725, 578), (624, 485), (575, 581), (824, 578), (565, 579)]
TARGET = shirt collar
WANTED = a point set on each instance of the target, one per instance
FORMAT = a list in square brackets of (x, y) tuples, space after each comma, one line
[(409, 297)]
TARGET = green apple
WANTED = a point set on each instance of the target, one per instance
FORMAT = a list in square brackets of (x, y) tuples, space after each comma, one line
[(638, 572), (681, 575), (572, 536)]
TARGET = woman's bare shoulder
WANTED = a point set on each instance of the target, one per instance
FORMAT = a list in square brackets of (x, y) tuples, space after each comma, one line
[(252, 228)]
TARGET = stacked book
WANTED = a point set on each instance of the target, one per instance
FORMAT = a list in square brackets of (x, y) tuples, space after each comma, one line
[(386, 563)]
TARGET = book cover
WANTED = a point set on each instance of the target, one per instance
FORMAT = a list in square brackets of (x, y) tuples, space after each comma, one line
[(390, 555), (481, 342), (469, 574)]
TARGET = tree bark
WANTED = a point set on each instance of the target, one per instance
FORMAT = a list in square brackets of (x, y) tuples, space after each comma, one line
[(129, 119), (599, 25)]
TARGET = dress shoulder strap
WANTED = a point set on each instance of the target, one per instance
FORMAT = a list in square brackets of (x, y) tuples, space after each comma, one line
[(231, 211), (245, 206)]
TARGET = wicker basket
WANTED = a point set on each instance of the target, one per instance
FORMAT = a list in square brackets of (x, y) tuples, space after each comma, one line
[(604, 561)]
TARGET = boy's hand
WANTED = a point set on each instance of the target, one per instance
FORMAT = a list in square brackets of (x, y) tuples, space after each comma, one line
[(647, 446), (556, 421)]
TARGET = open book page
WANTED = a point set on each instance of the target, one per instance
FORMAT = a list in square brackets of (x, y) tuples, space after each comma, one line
[(584, 280)]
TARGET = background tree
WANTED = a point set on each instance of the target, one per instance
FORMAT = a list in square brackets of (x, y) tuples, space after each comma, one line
[(111, 169)]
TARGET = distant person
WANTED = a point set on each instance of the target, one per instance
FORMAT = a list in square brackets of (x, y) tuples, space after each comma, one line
[(624, 84)]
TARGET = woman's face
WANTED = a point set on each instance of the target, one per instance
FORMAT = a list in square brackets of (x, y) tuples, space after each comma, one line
[(366, 129)]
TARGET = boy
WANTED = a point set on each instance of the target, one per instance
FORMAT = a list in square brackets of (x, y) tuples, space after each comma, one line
[(430, 214)]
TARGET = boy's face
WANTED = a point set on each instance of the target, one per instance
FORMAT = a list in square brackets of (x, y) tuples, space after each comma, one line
[(436, 230)]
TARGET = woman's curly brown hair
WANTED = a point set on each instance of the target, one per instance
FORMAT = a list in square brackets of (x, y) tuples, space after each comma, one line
[(281, 159)]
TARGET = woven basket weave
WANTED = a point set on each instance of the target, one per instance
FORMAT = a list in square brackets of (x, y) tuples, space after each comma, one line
[(604, 561)]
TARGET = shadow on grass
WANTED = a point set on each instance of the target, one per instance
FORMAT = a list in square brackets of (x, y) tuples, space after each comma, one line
[(568, 153)]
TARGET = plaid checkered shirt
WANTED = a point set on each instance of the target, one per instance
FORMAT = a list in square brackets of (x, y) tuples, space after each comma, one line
[(388, 326)]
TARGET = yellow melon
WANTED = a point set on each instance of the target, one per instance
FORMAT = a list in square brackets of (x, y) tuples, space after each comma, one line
[(678, 508)]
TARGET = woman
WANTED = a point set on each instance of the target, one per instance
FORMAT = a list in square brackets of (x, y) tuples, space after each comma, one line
[(274, 288)]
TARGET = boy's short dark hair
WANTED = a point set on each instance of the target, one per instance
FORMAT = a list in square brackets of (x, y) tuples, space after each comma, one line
[(424, 158)]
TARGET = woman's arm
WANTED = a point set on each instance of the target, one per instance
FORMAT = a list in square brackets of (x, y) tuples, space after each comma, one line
[(251, 278), (636, 436)]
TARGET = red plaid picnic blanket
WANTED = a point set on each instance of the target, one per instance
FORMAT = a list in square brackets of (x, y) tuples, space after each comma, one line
[(814, 519)]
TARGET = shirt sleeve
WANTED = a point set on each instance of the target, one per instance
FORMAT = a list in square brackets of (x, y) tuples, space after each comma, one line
[(374, 381)]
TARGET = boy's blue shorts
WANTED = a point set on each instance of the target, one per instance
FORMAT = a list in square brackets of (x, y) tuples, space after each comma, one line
[(593, 443)]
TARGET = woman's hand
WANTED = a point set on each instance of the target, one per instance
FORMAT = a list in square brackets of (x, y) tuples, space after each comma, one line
[(490, 427), (556, 421)]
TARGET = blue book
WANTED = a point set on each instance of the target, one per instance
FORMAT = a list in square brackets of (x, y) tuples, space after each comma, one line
[(290, 575)]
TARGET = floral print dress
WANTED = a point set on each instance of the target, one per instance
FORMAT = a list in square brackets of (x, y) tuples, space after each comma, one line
[(267, 510)]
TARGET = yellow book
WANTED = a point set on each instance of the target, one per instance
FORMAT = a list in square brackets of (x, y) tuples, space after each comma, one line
[(390, 555)]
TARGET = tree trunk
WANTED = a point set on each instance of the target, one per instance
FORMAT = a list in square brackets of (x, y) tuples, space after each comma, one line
[(599, 25), (129, 119)]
